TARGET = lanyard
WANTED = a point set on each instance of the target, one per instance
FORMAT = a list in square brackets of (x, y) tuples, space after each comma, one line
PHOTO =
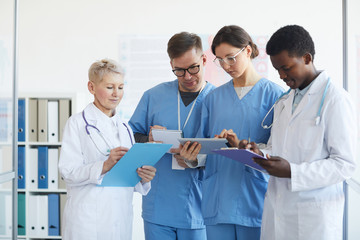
[(192, 107)]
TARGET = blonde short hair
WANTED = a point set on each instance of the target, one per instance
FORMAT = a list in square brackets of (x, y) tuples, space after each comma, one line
[(99, 68)]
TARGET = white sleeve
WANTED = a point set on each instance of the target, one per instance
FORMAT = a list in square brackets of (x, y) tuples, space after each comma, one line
[(340, 139), (72, 164), (142, 188)]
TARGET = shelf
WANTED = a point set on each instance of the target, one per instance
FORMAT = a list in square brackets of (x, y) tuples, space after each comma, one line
[(44, 237), (42, 153), (43, 143), (46, 191)]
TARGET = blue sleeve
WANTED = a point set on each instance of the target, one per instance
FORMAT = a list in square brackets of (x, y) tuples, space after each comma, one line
[(139, 121)]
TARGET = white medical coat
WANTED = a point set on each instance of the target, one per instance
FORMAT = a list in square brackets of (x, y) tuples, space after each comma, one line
[(309, 205), (93, 212)]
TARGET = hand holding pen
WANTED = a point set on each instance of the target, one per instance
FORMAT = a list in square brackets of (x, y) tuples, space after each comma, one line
[(252, 146)]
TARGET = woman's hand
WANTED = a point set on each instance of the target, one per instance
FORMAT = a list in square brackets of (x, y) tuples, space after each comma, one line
[(230, 136), (146, 173), (115, 155)]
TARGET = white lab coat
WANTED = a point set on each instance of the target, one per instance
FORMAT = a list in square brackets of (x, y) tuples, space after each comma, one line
[(309, 206), (93, 212)]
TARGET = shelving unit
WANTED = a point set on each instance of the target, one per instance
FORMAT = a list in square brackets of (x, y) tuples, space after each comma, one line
[(43, 194)]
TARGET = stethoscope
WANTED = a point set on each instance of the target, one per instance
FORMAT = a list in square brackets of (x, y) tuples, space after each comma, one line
[(108, 145), (317, 118)]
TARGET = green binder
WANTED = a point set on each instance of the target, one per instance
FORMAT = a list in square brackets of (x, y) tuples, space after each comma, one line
[(21, 214)]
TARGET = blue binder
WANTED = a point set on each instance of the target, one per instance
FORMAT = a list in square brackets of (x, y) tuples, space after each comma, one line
[(21, 167), (21, 120), (54, 214), (43, 167)]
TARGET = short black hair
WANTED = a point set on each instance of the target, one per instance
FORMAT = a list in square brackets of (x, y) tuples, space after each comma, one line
[(292, 38)]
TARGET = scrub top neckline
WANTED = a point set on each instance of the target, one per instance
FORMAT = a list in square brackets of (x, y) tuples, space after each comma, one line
[(250, 93), (192, 107)]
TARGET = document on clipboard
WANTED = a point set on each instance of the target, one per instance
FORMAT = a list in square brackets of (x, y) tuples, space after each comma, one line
[(243, 156), (124, 174), (207, 144), (167, 136)]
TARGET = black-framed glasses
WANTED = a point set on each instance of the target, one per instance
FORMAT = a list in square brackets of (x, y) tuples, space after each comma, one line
[(230, 60), (180, 72)]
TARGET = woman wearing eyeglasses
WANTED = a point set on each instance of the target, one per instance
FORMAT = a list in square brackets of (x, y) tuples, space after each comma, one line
[(93, 142), (233, 194)]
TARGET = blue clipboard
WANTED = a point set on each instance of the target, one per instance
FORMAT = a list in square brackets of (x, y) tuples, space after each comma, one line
[(242, 155), (124, 174)]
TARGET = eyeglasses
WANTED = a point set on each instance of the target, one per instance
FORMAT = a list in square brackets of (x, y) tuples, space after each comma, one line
[(180, 72), (230, 60)]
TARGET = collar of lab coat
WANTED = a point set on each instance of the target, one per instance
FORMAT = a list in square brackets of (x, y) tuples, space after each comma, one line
[(317, 87), (93, 115), (319, 83)]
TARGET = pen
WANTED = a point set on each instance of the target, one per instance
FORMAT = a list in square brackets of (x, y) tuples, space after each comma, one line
[(249, 140)]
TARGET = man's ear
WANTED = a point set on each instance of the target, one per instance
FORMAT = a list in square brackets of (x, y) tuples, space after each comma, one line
[(308, 58), (204, 58), (91, 87)]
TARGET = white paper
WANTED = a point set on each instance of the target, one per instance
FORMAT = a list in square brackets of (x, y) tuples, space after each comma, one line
[(167, 136), (175, 165)]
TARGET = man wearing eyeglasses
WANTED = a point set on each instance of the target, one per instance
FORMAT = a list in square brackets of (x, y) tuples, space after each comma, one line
[(171, 210)]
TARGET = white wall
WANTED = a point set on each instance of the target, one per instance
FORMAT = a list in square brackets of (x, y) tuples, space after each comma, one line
[(59, 39)]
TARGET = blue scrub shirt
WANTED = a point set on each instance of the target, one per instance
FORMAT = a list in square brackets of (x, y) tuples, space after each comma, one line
[(232, 192), (175, 196)]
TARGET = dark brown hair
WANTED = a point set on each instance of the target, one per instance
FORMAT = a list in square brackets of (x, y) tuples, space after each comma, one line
[(183, 42), (235, 36)]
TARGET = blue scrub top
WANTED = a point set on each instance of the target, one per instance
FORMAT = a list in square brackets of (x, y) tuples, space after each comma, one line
[(232, 192), (175, 196)]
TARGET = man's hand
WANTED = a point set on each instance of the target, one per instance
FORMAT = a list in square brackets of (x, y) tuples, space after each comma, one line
[(252, 146), (275, 166), (187, 152), (151, 139)]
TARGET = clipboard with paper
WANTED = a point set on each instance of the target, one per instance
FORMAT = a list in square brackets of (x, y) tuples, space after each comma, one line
[(243, 156), (124, 174)]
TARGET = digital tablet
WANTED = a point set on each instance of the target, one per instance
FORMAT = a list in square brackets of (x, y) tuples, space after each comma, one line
[(207, 144)]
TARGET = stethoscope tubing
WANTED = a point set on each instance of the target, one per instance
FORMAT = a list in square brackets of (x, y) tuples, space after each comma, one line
[(317, 118), (87, 125)]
